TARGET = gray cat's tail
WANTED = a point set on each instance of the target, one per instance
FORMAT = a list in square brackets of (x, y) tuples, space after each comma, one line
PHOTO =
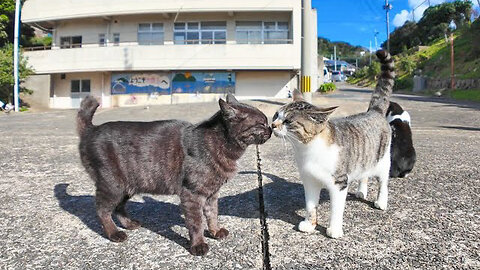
[(85, 114), (381, 95)]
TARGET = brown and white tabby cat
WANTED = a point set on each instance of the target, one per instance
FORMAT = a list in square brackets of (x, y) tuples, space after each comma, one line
[(333, 153)]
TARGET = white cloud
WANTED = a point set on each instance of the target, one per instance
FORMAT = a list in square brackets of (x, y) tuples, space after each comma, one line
[(408, 15), (401, 18)]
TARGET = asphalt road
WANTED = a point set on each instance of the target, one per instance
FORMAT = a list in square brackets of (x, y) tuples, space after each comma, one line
[(48, 221)]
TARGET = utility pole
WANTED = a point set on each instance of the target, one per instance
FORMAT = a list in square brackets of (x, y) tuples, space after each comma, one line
[(335, 57), (370, 52), (387, 7), (309, 50), (15, 55), (452, 64)]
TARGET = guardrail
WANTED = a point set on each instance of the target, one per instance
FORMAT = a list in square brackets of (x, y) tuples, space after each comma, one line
[(162, 43)]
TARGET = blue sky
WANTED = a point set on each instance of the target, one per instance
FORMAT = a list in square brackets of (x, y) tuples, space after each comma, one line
[(355, 21)]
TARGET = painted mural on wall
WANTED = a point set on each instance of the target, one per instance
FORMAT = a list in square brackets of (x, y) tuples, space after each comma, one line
[(135, 83), (203, 82)]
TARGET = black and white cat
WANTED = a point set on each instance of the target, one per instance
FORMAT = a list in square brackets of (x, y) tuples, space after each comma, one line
[(402, 152)]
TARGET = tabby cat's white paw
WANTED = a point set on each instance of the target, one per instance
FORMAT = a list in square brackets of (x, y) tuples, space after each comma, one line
[(361, 195), (334, 233), (381, 205), (306, 226)]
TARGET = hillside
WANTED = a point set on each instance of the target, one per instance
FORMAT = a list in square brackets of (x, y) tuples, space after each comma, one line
[(433, 60)]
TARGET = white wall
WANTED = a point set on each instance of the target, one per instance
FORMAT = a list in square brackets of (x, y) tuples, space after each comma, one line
[(256, 84), (40, 85), (99, 87)]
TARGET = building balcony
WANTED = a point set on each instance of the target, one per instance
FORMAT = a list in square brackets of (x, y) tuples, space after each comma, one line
[(134, 57)]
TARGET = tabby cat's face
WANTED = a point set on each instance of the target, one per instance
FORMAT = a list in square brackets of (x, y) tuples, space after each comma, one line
[(300, 121)]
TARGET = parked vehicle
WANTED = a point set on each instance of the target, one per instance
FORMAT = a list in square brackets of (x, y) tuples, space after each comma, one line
[(327, 76), (338, 76)]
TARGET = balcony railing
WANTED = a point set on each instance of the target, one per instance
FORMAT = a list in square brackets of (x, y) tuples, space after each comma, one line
[(161, 43)]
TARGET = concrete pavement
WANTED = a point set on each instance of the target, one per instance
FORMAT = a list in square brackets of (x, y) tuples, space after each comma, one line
[(48, 218)]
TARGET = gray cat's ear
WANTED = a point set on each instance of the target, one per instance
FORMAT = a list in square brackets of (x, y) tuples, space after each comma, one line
[(231, 99), (227, 109), (297, 96)]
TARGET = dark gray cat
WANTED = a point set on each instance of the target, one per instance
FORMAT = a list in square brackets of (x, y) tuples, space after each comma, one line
[(167, 157), (332, 153)]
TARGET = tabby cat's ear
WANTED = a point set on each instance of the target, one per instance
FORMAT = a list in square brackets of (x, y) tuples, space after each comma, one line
[(227, 110), (321, 115), (297, 96), (231, 98), (328, 110)]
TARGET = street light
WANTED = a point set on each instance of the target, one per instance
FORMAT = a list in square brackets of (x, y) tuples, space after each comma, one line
[(15, 55)]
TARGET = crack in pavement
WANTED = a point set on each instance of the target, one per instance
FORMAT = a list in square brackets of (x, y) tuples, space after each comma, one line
[(263, 215)]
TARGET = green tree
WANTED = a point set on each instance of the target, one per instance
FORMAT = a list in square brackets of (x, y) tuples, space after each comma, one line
[(6, 73), (373, 70), (433, 25), (7, 24)]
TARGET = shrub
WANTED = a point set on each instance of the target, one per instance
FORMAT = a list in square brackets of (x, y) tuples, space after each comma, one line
[(373, 70), (327, 87), (407, 65), (405, 83)]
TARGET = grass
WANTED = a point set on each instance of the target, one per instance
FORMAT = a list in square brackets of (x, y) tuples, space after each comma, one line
[(471, 95), (434, 62)]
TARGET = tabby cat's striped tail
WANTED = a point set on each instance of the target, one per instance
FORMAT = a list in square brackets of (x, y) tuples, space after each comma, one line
[(381, 95)]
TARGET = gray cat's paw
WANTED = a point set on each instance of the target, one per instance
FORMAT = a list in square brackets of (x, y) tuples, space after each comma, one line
[(221, 234), (361, 195), (306, 226), (380, 205), (199, 250), (118, 237), (334, 233)]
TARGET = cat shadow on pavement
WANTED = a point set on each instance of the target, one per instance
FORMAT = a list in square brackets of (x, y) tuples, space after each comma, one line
[(283, 199), (156, 216)]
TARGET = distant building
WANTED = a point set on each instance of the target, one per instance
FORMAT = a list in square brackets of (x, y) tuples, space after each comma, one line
[(126, 52), (341, 65)]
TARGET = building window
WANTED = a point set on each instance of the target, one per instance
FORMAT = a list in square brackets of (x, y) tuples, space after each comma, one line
[(200, 33), (275, 32), (116, 39), (150, 34), (102, 41), (71, 42), (257, 32), (80, 86), (249, 32)]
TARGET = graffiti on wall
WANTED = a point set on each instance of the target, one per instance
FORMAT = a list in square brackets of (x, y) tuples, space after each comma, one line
[(160, 83), (203, 82), (133, 83)]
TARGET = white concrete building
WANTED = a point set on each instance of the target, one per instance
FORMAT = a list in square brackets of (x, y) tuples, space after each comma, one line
[(158, 51)]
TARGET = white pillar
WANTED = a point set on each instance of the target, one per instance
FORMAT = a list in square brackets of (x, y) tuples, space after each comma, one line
[(309, 50), (314, 47)]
